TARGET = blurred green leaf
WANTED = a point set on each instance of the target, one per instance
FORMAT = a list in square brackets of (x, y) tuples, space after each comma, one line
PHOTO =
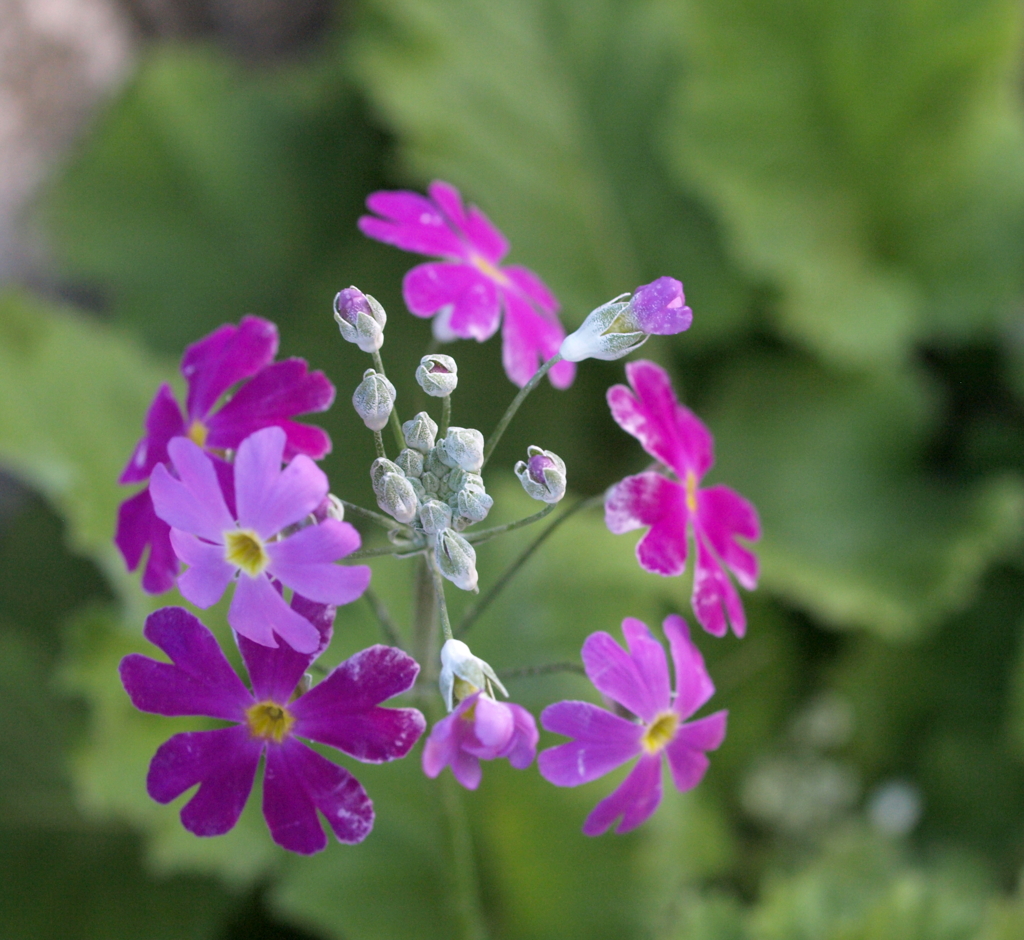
[(854, 532), (866, 157)]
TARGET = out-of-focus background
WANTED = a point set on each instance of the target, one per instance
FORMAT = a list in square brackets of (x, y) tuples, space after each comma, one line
[(840, 186)]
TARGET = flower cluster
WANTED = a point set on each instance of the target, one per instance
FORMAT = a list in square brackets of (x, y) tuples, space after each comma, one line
[(234, 500)]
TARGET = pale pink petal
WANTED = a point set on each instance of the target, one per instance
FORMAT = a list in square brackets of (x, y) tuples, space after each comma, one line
[(208, 574), (522, 748), (411, 222), (636, 798), (716, 602), (693, 684), (649, 656), (194, 503), (466, 769), (304, 562), (257, 611), (618, 675), (685, 752), (603, 742), (493, 726), (651, 499), (722, 515)]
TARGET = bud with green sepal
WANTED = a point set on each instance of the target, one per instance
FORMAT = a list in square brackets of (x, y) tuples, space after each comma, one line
[(395, 494), (360, 319), (437, 375), (456, 559), (420, 432), (542, 475), (463, 674), (373, 399), (411, 462), (435, 516), (462, 448)]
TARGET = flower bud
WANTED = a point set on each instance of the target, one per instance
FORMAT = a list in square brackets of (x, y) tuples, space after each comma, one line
[(411, 462), (473, 504), (420, 432), (543, 475), (373, 400), (463, 674), (379, 468), (618, 327), (417, 488), (331, 507), (463, 448), (397, 497), (437, 375), (435, 516), (360, 318), (431, 484), (457, 559)]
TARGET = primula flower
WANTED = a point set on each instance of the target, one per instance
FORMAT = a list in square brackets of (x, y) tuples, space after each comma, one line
[(674, 435), (467, 291), (341, 711), (639, 682), (219, 545), (480, 729), (274, 393)]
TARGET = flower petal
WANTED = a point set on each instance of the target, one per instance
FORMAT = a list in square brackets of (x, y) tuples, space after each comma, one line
[(197, 681), (493, 727), (649, 657), (194, 503), (410, 222), (532, 287), (722, 515), (304, 562), (473, 225), (442, 746), (208, 574), (257, 611), (603, 742), (476, 311), (714, 596), (163, 421), (222, 762), (276, 671), (654, 500), (429, 287), (528, 338), (685, 752), (636, 798), (693, 684), (297, 783), (521, 750), (617, 674), (138, 526)]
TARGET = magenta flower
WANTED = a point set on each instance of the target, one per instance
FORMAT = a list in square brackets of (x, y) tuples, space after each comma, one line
[(674, 435), (467, 291), (341, 711), (480, 729), (221, 546), (274, 393), (639, 682)]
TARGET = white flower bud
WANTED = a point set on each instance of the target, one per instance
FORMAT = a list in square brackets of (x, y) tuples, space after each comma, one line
[(474, 504), (430, 482), (437, 375), (331, 507), (457, 559), (435, 516), (397, 497), (458, 663), (543, 475), (417, 487), (379, 468), (462, 448), (411, 462), (360, 319), (420, 432), (373, 400)]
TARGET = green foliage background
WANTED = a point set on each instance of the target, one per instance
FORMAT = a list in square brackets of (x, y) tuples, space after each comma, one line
[(840, 185)]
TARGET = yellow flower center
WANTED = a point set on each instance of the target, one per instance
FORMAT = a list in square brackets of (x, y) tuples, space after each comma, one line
[(463, 689), (660, 732), (197, 433), (244, 549), (269, 721), (485, 267), (691, 492)]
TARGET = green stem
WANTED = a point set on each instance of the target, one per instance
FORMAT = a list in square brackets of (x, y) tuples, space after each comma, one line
[(396, 550), (471, 615), (396, 425), (387, 624), (485, 534), (516, 402), (423, 613), (540, 670), (442, 607), (446, 416), (463, 862), (384, 521), (378, 442)]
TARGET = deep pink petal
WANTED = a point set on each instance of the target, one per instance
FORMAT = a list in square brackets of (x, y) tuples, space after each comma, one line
[(222, 762), (475, 311), (298, 782), (603, 742), (660, 307), (228, 355), (138, 526), (208, 574), (194, 503), (429, 287), (163, 421), (618, 675), (274, 396), (446, 738), (197, 681), (528, 338), (475, 227), (716, 603), (685, 752), (532, 287), (693, 684), (257, 611), (651, 499), (648, 656), (636, 798), (722, 515), (276, 671), (522, 748), (411, 222)]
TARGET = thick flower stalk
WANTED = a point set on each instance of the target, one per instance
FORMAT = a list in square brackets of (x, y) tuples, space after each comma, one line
[(637, 680), (716, 515), (469, 293), (273, 393), (247, 546), (342, 711)]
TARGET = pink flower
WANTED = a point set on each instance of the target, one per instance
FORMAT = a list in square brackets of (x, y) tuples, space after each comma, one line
[(221, 546), (638, 681), (480, 729), (674, 435), (467, 291)]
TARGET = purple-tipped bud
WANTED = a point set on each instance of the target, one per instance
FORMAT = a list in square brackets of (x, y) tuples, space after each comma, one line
[(360, 319), (660, 307), (536, 466), (543, 475), (437, 375), (349, 303)]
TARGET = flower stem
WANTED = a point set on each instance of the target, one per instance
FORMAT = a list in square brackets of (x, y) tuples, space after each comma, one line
[(442, 607), (516, 402), (396, 425), (378, 442), (387, 624), (423, 633), (446, 416), (463, 862), (385, 521), (396, 550), (471, 615), (540, 670), (486, 534)]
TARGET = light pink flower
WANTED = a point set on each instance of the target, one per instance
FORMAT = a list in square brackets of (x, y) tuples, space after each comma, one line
[(468, 291), (717, 515)]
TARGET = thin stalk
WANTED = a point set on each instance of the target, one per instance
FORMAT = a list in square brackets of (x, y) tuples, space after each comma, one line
[(540, 670), (378, 442), (387, 624), (485, 534), (384, 521), (516, 402), (397, 550), (396, 425), (471, 615), (463, 862), (446, 416), (423, 613), (442, 607)]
